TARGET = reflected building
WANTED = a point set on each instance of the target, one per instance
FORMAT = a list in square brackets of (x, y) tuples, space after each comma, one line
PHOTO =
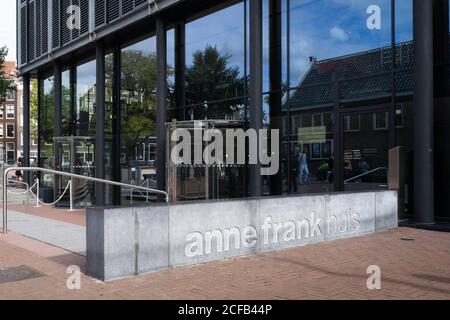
[(344, 82)]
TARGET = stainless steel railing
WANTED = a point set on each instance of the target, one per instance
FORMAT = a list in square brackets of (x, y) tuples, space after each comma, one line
[(69, 175), (366, 173)]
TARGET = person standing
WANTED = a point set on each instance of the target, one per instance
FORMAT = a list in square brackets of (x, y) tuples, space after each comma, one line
[(303, 167), (19, 172), (331, 169)]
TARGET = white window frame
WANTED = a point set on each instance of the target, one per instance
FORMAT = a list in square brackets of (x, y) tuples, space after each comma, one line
[(348, 128), (8, 106), (386, 126)]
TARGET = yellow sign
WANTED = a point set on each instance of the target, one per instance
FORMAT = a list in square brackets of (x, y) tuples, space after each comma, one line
[(312, 135)]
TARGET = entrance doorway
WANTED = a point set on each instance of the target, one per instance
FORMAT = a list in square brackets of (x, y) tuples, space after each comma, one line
[(77, 156)]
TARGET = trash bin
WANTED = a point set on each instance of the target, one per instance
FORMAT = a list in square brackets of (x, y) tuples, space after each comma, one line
[(47, 194)]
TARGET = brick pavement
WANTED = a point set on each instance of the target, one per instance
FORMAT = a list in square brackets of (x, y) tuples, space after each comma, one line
[(418, 269)]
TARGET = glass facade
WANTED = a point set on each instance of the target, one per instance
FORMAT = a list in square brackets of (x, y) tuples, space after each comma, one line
[(338, 84), (46, 128), (138, 118), (215, 73), (329, 71)]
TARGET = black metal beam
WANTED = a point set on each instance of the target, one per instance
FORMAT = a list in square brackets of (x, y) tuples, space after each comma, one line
[(161, 102), (256, 87), (275, 76), (116, 136), (423, 113), (57, 78), (26, 124), (100, 124), (180, 70), (40, 86)]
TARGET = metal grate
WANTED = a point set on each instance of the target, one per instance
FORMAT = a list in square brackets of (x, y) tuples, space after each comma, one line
[(100, 16), (31, 32), (84, 6), (23, 34), (44, 27), (127, 6), (113, 9), (76, 32), (38, 35), (34, 22), (55, 22), (65, 32)]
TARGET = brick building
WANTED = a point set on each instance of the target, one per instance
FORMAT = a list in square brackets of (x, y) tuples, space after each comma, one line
[(9, 118)]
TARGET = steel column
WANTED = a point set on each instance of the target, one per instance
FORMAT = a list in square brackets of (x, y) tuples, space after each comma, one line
[(100, 124), (423, 113), (275, 75), (26, 124), (116, 145), (256, 87), (161, 102), (180, 71), (57, 75)]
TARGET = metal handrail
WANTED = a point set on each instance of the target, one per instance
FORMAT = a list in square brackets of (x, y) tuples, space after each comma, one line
[(366, 173), (18, 182), (64, 174)]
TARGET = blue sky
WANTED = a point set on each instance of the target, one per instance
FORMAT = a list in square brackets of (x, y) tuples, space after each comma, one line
[(321, 28), (8, 27)]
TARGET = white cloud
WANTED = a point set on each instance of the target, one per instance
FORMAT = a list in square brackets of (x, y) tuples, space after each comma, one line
[(339, 34), (8, 27)]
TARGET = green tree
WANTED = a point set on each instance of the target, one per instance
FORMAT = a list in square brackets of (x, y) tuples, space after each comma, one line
[(5, 83), (138, 98), (34, 112), (209, 79)]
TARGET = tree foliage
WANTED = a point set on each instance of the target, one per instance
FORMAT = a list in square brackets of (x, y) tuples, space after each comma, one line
[(210, 79), (5, 82), (138, 98)]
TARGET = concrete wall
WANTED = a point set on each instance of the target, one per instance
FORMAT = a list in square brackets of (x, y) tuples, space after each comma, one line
[(123, 242)]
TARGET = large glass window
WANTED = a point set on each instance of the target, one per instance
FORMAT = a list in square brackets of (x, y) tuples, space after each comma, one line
[(85, 99), (46, 128), (215, 65), (82, 146), (321, 56), (138, 116), (67, 111)]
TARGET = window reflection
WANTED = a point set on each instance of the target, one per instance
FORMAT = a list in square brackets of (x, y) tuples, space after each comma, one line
[(138, 116), (215, 59), (46, 128), (85, 99)]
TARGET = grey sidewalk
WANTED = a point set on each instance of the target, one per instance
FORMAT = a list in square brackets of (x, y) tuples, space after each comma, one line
[(60, 234)]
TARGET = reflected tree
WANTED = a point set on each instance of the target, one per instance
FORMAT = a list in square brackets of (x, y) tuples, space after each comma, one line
[(211, 81)]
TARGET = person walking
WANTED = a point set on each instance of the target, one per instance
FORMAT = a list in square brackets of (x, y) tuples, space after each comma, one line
[(19, 172), (303, 167)]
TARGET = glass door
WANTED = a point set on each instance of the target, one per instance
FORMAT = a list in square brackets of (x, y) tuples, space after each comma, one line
[(365, 149), (77, 157)]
